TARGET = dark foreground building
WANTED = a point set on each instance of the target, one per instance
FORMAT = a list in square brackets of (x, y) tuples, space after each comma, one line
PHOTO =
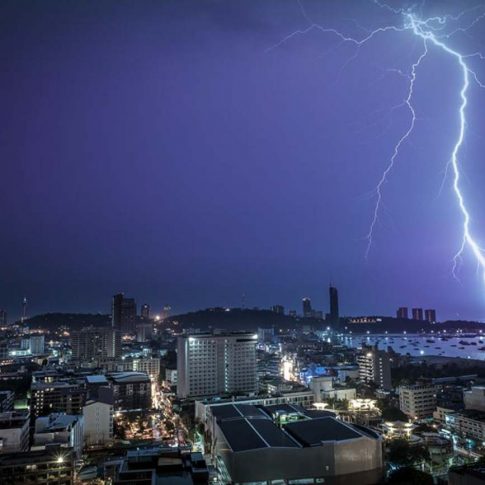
[(53, 466), (166, 466), (277, 443)]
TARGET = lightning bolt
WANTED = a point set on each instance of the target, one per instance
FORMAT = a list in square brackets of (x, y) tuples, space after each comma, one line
[(383, 179), (432, 32), (468, 240)]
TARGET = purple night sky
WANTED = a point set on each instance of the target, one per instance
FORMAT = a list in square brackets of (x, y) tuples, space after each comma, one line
[(157, 148)]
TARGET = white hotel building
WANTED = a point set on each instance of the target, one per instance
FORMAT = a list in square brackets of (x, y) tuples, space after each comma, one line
[(216, 364)]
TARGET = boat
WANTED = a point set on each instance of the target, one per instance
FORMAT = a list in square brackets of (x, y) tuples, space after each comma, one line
[(430, 341)]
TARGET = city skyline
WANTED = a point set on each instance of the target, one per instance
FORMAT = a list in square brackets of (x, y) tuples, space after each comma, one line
[(196, 172)]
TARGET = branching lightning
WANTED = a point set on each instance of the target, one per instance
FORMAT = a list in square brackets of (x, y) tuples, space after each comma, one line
[(432, 31)]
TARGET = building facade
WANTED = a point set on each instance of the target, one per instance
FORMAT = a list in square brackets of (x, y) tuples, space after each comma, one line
[(374, 366), (61, 397), (123, 313), (91, 344), (215, 364), (14, 431), (334, 305), (52, 466), (402, 313), (475, 398), (417, 313), (60, 429), (98, 423), (418, 401), (131, 391)]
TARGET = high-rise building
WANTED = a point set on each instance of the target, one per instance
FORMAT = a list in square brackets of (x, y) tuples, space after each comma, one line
[(334, 311), (91, 344), (279, 309), (165, 312), (402, 313), (417, 313), (144, 331), (430, 315), (307, 308), (145, 311), (418, 401), (214, 364), (24, 310), (375, 366), (37, 344), (3, 317), (123, 313)]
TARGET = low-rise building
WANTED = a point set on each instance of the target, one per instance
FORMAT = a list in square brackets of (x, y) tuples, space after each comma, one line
[(252, 448), (59, 429), (468, 424), (161, 465), (131, 391), (61, 396), (52, 466), (204, 408), (14, 431)]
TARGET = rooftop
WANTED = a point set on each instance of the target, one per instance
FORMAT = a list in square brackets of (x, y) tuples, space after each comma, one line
[(313, 432), (249, 434), (96, 379), (121, 377), (230, 411)]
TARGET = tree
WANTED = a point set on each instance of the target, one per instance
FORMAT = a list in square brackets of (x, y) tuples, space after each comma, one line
[(409, 476), (393, 414), (401, 453)]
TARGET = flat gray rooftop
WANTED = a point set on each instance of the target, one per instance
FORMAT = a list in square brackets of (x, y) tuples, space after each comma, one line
[(312, 432), (251, 434)]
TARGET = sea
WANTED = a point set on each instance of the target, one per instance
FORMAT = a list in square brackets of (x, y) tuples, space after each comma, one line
[(418, 345)]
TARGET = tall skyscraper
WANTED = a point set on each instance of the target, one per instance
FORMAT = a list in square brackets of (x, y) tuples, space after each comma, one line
[(334, 312), (417, 313), (165, 312), (123, 313), (215, 364), (430, 315), (402, 313), (3, 317), (279, 309), (24, 310), (37, 344), (307, 307), (145, 311)]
